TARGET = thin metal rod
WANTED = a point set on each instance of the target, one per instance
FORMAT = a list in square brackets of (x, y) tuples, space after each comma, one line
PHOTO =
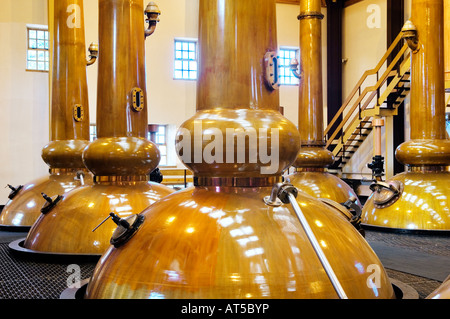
[(323, 259), (101, 223)]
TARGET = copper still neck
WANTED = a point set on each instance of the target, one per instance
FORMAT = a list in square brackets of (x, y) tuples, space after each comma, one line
[(238, 125), (122, 148), (69, 110), (234, 48), (425, 35), (310, 112)]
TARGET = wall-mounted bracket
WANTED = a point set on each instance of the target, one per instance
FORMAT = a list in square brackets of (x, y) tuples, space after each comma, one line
[(93, 53), (152, 12), (294, 67), (409, 31)]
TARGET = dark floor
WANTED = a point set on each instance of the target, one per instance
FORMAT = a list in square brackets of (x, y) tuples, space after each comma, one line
[(418, 262)]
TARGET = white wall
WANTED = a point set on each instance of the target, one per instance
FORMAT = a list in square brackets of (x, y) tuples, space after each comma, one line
[(24, 98), (364, 44)]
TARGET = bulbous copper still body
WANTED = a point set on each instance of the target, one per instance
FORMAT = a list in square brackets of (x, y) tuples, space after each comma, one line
[(121, 158), (419, 199), (313, 159), (69, 127), (442, 292), (228, 236)]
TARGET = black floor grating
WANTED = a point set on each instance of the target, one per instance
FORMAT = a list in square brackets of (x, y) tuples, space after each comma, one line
[(22, 279)]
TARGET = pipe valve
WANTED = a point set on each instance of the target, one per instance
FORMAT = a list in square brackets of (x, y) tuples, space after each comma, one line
[(14, 190), (279, 194), (80, 177), (93, 53), (409, 31), (126, 228), (294, 66), (152, 12), (50, 203)]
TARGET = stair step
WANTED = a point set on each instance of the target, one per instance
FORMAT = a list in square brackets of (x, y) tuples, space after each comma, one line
[(355, 140), (360, 134)]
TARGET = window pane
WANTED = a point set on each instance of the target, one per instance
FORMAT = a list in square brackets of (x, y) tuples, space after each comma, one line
[(185, 46), (46, 45), (47, 66), (41, 66), (40, 35), (32, 34), (41, 56), (41, 44), (33, 44), (178, 65), (46, 56), (185, 55), (192, 75), (46, 35), (31, 65), (193, 66), (191, 46), (177, 46), (178, 74), (31, 55), (178, 55)]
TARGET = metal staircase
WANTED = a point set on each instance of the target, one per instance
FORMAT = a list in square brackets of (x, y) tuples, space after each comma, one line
[(362, 105)]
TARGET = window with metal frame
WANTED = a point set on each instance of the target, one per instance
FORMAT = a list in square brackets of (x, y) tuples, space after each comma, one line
[(38, 57), (285, 57), (161, 141), (185, 64)]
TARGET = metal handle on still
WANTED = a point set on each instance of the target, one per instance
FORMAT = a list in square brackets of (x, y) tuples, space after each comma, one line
[(287, 194)]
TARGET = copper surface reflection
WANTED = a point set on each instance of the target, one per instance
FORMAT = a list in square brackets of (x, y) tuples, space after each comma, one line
[(424, 204)]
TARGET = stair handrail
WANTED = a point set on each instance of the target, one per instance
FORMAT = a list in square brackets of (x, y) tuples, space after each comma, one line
[(357, 87)]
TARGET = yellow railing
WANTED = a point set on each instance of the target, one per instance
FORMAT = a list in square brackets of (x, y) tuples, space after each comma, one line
[(372, 90)]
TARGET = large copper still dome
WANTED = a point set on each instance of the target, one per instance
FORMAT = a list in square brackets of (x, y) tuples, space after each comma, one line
[(228, 237)]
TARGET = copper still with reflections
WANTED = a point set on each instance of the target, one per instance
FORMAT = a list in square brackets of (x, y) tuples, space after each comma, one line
[(442, 292), (121, 158), (69, 124), (223, 238), (419, 199), (313, 159)]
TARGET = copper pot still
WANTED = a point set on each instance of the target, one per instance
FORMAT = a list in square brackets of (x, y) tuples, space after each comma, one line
[(69, 125), (311, 174), (229, 236), (419, 199), (121, 158)]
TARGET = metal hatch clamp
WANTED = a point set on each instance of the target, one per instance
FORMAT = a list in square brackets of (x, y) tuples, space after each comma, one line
[(287, 193)]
